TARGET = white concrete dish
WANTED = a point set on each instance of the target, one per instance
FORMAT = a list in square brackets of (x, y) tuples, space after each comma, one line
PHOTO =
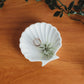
[(47, 34)]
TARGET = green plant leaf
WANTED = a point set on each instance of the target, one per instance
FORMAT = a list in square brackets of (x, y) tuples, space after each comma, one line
[(57, 13), (26, 0), (61, 14), (76, 7), (72, 12), (65, 7), (56, 4), (1, 5), (71, 5), (47, 1), (2, 0), (38, 0), (68, 14), (51, 7)]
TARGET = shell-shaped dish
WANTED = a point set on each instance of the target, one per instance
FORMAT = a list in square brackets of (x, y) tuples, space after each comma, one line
[(44, 33)]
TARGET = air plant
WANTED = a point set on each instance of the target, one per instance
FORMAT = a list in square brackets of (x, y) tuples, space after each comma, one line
[(46, 49)]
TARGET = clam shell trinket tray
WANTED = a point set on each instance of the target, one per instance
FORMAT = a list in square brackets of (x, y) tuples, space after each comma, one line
[(40, 42)]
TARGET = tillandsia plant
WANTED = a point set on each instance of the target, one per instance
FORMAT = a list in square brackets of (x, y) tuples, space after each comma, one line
[(46, 49), (2, 3)]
